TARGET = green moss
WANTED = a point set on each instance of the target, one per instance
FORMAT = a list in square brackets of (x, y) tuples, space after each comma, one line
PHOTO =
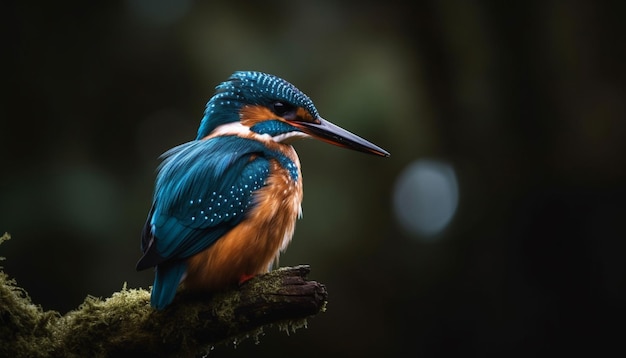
[(24, 327), (125, 324), (95, 317)]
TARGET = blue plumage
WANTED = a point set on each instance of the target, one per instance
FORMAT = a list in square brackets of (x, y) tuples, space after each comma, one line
[(166, 280), (272, 128), (203, 189), (249, 88), (207, 187)]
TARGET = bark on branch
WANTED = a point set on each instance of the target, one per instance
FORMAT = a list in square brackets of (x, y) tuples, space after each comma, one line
[(125, 324)]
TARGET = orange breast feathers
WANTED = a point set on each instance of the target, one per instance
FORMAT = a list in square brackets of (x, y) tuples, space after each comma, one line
[(251, 247)]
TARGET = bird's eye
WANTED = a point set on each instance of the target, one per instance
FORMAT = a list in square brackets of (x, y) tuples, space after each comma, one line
[(285, 110)]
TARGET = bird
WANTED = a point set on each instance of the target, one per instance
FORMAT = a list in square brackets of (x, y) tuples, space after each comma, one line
[(225, 205)]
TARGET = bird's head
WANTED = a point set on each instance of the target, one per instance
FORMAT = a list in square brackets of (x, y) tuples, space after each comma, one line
[(267, 105)]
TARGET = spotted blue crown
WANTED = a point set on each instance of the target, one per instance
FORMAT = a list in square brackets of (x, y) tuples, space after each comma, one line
[(249, 88)]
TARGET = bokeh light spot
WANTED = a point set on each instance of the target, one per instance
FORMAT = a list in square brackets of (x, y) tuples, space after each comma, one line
[(425, 197)]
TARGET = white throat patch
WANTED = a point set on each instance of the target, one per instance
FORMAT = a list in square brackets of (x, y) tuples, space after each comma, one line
[(238, 129)]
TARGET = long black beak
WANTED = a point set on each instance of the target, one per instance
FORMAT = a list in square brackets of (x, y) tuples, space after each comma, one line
[(325, 131)]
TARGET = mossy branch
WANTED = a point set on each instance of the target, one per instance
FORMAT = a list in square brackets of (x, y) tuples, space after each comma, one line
[(125, 324)]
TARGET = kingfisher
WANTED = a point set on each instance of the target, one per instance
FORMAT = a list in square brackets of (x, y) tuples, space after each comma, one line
[(225, 205)]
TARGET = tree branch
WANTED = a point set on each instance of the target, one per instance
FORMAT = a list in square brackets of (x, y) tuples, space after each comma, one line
[(125, 324)]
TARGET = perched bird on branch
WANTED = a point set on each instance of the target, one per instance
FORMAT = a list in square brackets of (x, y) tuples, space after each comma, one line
[(225, 205)]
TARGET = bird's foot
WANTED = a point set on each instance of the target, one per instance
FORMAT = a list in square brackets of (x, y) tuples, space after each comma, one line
[(244, 278)]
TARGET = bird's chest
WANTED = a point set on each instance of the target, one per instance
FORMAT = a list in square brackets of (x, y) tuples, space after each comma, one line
[(277, 205)]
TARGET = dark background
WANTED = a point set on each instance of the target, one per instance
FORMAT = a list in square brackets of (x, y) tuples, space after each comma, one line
[(525, 101)]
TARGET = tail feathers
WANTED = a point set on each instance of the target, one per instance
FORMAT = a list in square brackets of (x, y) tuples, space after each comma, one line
[(166, 281)]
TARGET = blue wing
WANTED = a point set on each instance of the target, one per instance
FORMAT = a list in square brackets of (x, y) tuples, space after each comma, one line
[(203, 189)]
